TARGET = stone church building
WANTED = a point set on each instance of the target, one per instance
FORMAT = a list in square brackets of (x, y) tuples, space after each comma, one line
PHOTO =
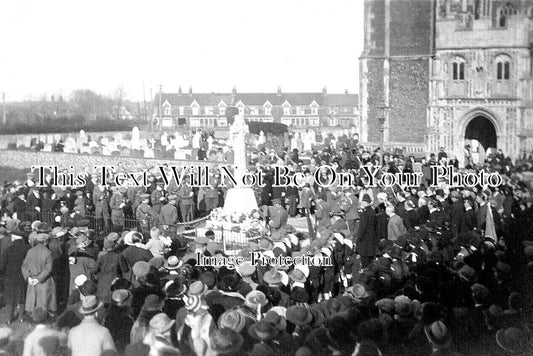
[(448, 73)]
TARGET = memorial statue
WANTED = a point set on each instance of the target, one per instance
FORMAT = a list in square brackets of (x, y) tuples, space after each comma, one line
[(240, 199)]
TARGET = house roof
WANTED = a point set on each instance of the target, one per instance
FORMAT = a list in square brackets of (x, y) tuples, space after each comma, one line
[(341, 100), (259, 99)]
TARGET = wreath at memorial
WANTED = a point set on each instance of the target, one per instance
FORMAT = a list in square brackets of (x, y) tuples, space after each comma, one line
[(250, 224)]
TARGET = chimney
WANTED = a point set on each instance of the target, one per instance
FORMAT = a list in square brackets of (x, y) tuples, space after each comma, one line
[(324, 91), (179, 90), (279, 91), (190, 91), (234, 91)]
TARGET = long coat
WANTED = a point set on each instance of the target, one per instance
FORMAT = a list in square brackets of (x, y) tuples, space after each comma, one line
[(10, 268), (134, 254), (366, 235), (80, 262), (38, 264), (108, 267), (168, 214)]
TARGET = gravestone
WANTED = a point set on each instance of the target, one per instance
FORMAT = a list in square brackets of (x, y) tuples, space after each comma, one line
[(82, 139), (164, 139), (149, 153), (47, 147), (308, 141), (70, 145), (135, 141), (86, 149), (20, 142)]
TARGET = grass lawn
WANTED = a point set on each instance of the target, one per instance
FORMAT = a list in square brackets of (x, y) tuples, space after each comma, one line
[(10, 174)]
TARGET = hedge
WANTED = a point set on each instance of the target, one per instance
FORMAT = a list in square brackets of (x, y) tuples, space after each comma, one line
[(68, 124)]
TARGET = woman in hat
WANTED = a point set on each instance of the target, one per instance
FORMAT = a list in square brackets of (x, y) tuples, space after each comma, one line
[(108, 267), (159, 336), (152, 306), (37, 269), (80, 262)]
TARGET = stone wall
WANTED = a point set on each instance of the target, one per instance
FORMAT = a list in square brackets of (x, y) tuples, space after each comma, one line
[(27, 159), (400, 34), (410, 27), (409, 95)]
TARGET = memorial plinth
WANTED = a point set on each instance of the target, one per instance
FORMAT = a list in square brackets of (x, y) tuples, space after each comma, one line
[(239, 199)]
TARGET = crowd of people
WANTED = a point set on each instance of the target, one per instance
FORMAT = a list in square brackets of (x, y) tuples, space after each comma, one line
[(415, 270)]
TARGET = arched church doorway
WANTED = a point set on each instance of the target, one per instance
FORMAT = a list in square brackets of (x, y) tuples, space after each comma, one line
[(480, 135)]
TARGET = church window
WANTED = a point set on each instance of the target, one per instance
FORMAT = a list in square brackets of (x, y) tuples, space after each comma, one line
[(503, 67), (458, 69), (504, 13)]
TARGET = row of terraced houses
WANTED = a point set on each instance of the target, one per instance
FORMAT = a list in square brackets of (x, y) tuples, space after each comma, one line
[(293, 109)]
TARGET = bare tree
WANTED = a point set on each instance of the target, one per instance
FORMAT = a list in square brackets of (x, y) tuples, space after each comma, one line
[(119, 101)]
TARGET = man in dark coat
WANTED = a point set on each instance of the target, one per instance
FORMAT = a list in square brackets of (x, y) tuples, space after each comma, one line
[(133, 254), (33, 204), (350, 205), (168, 216), (57, 246), (470, 215), (322, 212), (19, 206), (366, 235), (10, 267), (457, 220), (186, 200)]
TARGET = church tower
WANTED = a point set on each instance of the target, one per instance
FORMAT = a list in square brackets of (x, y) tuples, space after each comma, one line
[(394, 70)]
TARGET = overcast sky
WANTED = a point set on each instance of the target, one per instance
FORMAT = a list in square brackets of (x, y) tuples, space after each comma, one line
[(56, 46)]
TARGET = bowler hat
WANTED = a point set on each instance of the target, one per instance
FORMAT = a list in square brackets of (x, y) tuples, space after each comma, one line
[(121, 297), (402, 305), (225, 341), (232, 319), (513, 340), (272, 276), (386, 305), (197, 288), (297, 276), (263, 331), (41, 237), (173, 263), (161, 323), (89, 305), (152, 303), (141, 269), (299, 315), (277, 320), (438, 334), (256, 298)]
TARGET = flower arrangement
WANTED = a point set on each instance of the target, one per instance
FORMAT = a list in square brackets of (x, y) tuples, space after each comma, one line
[(251, 224)]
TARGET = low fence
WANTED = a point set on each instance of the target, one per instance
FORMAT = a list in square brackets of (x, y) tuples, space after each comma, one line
[(415, 149), (231, 242)]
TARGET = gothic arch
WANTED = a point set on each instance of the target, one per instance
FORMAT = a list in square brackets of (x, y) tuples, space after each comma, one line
[(470, 117), (472, 114)]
